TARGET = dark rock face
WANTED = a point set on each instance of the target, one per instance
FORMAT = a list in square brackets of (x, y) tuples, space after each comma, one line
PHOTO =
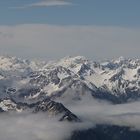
[(48, 106), (55, 108), (106, 132), (1, 110)]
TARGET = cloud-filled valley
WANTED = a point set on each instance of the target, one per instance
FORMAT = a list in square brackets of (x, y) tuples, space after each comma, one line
[(15, 126)]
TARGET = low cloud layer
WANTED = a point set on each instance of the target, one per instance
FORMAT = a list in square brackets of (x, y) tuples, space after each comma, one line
[(102, 112), (91, 112), (27, 126), (53, 41), (32, 127)]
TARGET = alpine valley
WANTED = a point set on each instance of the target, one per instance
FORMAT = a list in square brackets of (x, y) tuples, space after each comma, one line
[(55, 88)]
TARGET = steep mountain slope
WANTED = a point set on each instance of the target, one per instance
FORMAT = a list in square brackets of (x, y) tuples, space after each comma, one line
[(48, 106)]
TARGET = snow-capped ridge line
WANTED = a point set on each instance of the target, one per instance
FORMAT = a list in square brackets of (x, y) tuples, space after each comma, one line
[(70, 77)]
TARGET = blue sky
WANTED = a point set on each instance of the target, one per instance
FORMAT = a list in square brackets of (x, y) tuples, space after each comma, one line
[(52, 29), (80, 12)]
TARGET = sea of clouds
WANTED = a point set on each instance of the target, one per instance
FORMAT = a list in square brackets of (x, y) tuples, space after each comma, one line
[(27, 126)]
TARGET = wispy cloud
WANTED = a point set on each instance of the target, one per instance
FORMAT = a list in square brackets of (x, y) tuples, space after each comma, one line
[(45, 3), (50, 3)]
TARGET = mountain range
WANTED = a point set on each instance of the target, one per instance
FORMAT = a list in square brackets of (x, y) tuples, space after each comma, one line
[(46, 86)]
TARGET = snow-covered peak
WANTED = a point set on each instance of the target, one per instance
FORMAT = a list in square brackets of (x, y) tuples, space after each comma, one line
[(121, 59), (75, 59), (7, 63), (72, 61), (121, 62), (7, 105), (78, 64)]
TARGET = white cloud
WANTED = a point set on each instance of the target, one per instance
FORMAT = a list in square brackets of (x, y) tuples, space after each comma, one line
[(54, 41), (32, 127), (102, 112), (46, 3), (50, 3), (15, 126)]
